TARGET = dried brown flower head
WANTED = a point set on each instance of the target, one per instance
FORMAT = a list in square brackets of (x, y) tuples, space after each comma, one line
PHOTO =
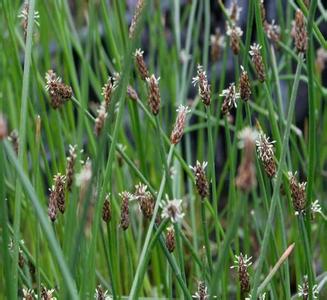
[(202, 292), (21, 259), (201, 179), (170, 239), (230, 98), (258, 62), (245, 86), (298, 193), (100, 119), (301, 38), (203, 85), (272, 31), (140, 64), (154, 94), (14, 139), (136, 16), (265, 150), (106, 209), (124, 212), (246, 177), (107, 91), (242, 263), (71, 159), (101, 294), (235, 33), (217, 42), (131, 93), (179, 126), (321, 59), (57, 197), (58, 91), (28, 294), (47, 294), (59, 183), (24, 16), (234, 12), (145, 200)]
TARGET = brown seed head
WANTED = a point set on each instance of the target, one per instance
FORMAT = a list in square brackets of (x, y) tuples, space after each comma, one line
[(202, 292), (136, 16), (140, 64), (235, 34), (265, 150), (71, 159), (301, 38), (107, 90), (245, 86), (203, 85), (106, 210), (242, 263), (154, 94), (124, 213), (100, 119), (58, 91), (170, 239), (201, 179), (59, 184), (298, 193), (145, 200), (217, 42), (14, 139), (230, 98), (246, 177), (272, 31), (179, 126), (258, 62), (132, 94)]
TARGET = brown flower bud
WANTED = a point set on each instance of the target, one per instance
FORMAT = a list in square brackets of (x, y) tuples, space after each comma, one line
[(301, 38), (100, 119), (217, 44), (258, 62), (298, 193), (230, 99), (179, 126), (145, 200), (265, 151), (14, 139), (170, 239), (106, 210), (242, 263), (124, 214), (58, 91), (154, 94), (203, 85), (235, 34), (246, 176), (71, 159), (201, 179), (132, 94), (107, 90), (245, 87), (136, 16), (140, 64)]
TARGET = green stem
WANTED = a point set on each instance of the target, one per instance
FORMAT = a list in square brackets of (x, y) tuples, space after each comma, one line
[(275, 197)]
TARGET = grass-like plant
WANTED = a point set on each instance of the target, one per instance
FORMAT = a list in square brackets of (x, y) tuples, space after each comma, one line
[(146, 154)]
